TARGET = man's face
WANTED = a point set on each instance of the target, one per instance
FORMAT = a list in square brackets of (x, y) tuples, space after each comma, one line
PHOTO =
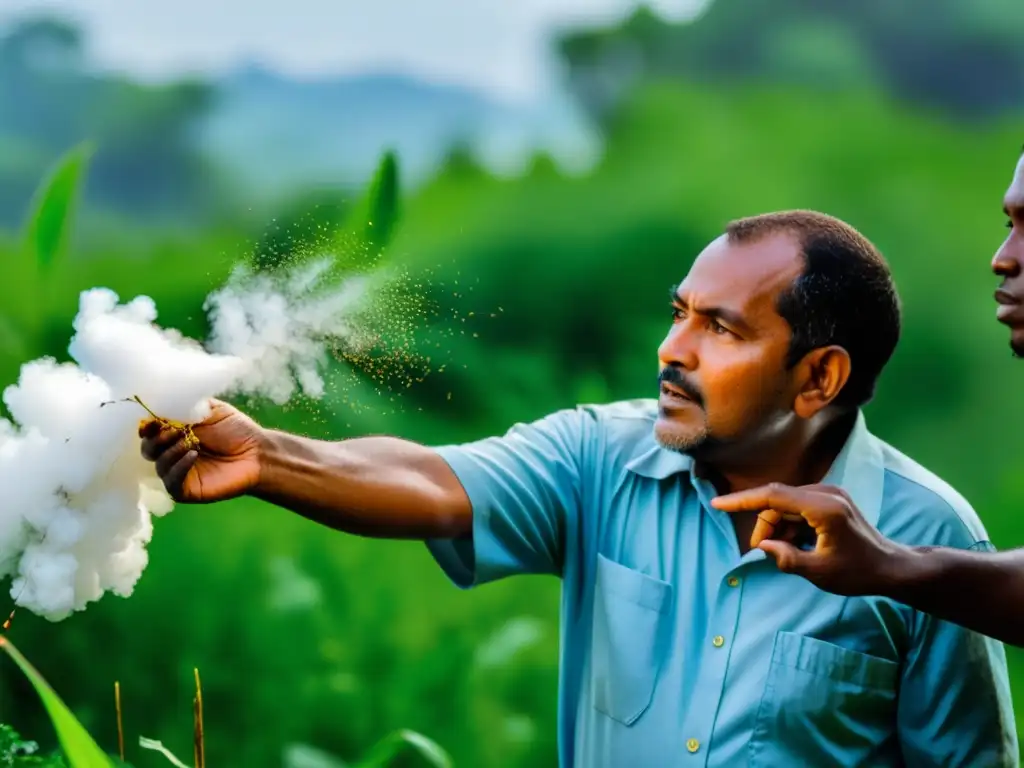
[(1009, 263), (722, 367)]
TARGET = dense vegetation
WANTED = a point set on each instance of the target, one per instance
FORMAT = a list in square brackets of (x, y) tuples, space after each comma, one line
[(309, 637)]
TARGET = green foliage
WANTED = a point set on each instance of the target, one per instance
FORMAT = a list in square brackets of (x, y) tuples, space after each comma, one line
[(52, 97), (82, 752), (965, 62), (15, 752), (26, 293), (301, 227), (386, 751), (353, 238), (46, 235), (307, 637), (374, 219), (78, 746)]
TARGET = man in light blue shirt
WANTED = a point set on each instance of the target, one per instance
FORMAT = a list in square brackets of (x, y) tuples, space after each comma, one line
[(681, 645), (677, 649)]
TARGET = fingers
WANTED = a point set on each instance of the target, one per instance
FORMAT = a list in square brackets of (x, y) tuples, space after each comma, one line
[(772, 524), (767, 523), (156, 440), (166, 461), (784, 498), (788, 558), (165, 447), (174, 477), (812, 503)]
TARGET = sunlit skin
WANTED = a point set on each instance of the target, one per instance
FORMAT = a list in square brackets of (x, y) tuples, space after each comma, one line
[(978, 590), (1008, 263), (727, 397), (754, 418)]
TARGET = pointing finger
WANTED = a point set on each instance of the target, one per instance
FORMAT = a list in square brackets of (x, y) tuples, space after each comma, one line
[(811, 504), (784, 498)]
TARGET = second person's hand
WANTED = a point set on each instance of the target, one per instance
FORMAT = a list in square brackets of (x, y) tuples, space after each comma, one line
[(850, 557)]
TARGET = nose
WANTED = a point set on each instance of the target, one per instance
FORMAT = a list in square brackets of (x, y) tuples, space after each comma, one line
[(1006, 262), (679, 347)]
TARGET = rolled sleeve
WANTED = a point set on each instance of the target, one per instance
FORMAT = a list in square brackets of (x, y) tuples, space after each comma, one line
[(524, 488)]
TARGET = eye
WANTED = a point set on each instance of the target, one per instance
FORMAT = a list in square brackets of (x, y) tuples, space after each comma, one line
[(677, 313), (1009, 225), (716, 327)]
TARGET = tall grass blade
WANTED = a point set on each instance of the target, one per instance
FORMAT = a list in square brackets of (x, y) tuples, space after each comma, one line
[(391, 746), (197, 714), (373, 219), (46, 231), (78, 746), (120, 722)]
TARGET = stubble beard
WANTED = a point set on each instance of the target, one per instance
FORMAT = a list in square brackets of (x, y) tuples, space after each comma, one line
[(690, 442)]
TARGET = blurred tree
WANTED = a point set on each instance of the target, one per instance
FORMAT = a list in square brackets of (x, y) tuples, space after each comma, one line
[(146, 161), (461, 162), (962, 58)]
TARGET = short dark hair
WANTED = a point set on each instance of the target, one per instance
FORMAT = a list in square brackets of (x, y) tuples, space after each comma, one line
[(845, 295)]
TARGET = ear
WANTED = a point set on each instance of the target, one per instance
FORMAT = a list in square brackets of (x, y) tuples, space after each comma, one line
[(822, 374)]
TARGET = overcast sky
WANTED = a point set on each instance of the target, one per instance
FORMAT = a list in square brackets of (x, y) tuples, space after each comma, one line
[(497, 45)]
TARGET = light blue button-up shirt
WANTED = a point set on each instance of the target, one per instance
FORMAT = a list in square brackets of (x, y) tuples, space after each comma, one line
[(678, 651)]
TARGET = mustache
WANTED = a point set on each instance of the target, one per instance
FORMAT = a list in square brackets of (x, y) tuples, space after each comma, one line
[(672, 375)]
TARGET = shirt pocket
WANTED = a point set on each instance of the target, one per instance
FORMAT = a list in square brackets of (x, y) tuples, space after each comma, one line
[(821, 701), (631, 622)]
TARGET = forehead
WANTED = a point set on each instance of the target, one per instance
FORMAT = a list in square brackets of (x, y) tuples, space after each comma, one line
[(1014, 198), (743, 276)]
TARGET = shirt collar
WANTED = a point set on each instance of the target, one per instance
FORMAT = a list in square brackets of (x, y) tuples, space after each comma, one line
[(859, 469)]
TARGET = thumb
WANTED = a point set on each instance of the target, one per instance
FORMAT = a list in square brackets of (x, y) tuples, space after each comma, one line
[(787, 557)]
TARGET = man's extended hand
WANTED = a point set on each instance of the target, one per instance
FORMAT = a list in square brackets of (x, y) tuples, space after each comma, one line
[(850, 557), (226, 465)]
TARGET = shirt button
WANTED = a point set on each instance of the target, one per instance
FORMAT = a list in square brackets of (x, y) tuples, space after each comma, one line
[(692, 744), (718, 641), (732, 581)]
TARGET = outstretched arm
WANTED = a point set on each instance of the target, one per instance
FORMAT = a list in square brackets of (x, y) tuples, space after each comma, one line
[(487, 509), (375, 486), (383, 487), (982, 591)]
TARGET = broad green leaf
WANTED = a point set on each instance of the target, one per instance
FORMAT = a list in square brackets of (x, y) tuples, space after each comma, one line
[(390, 747), (52, 209), (78, 746)]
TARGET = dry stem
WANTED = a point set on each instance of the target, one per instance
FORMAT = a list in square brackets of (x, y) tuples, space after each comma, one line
[(200, 757), (120, 725)]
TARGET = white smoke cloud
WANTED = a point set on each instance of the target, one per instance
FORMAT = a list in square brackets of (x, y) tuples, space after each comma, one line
[(78, 496)]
